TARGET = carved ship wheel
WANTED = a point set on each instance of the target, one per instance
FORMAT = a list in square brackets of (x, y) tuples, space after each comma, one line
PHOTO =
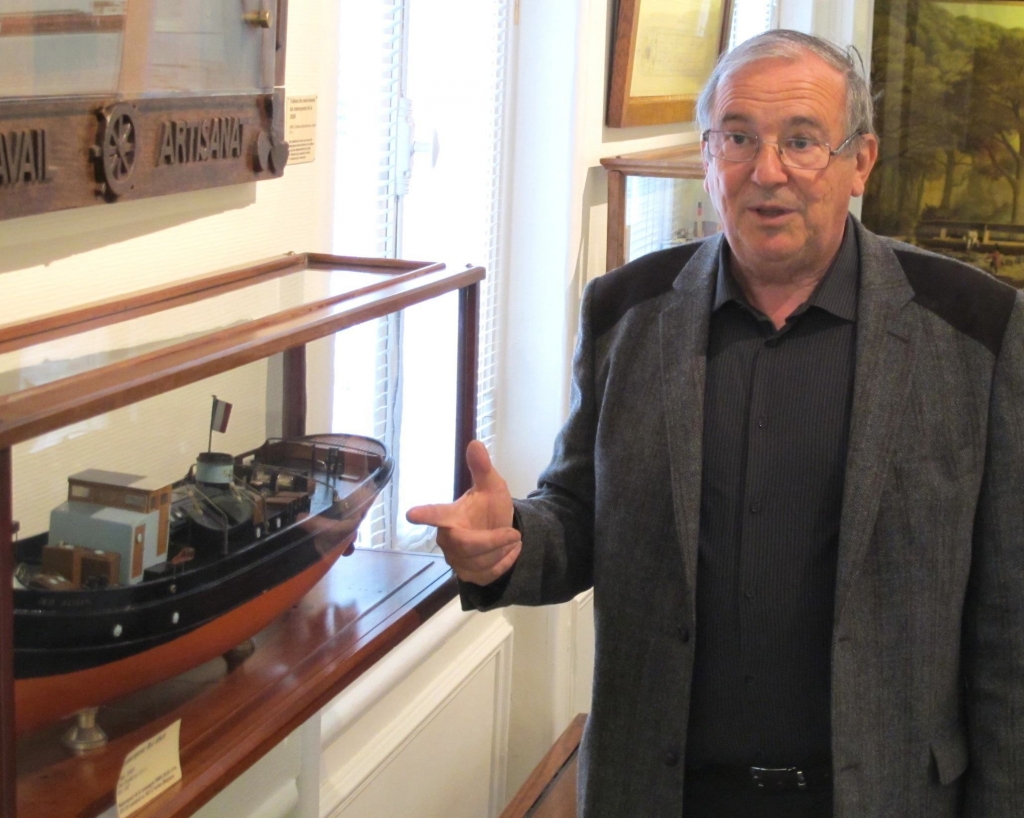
[(118, 149)]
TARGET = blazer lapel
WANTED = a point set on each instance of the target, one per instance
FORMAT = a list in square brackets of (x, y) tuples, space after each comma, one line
[(885, 353), (683, 329)]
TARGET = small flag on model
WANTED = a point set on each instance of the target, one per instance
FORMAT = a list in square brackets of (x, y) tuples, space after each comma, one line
[(221, 413), (219, 416)]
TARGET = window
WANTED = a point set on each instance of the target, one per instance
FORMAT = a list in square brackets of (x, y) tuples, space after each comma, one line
[(749, 18), (420, 174)]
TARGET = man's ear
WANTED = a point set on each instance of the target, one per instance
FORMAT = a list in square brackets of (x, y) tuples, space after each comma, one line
[(866, 156)]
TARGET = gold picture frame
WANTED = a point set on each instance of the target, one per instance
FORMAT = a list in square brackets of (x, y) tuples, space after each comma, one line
[(664, 51)]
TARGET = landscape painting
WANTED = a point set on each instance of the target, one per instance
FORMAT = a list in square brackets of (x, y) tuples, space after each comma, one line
[(949, 85)]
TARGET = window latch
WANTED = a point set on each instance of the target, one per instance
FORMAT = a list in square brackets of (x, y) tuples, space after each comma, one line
[(408, 147)]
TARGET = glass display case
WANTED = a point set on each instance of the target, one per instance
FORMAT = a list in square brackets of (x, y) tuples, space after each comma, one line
[(127, 565), (656, 199)]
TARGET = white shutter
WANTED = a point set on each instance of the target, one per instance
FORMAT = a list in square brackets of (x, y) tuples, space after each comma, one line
[(749, 18), (367, 210), (458, 89), (490, 325), (650, 207), (450, 58)]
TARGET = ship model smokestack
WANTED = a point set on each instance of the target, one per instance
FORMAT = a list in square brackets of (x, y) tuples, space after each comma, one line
[(215, 469)]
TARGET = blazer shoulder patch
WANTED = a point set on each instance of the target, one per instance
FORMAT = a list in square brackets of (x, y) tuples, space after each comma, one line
[(966, 298), (617, 292)]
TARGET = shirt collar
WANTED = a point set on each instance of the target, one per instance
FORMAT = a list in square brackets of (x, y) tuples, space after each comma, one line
[(836, 292)]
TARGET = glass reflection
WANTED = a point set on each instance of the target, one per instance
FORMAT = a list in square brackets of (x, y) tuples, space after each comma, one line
[(662, 213), (54, 360), (135, 48)]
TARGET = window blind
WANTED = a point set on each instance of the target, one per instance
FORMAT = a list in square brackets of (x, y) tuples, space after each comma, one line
[(453, 211), (451, 208), (749, 18), (367, 208)]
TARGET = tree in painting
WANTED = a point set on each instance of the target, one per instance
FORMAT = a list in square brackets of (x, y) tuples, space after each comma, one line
[(996, 130), (950, 113)]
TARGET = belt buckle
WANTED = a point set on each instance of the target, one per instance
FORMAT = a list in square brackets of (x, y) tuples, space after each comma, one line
[(777, 779)]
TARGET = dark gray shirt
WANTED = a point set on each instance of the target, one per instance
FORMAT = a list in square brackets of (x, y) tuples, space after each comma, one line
[(776, 423)]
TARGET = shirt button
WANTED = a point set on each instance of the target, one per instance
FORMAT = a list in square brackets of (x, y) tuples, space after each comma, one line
[(671, 758), (755, 507), (749, 593), (684, 634), (762, 422)]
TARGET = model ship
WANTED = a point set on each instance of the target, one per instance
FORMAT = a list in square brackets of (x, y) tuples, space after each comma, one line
[(135, 583)]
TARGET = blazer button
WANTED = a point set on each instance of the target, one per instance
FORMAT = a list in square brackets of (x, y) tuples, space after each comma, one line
[(671, 758)]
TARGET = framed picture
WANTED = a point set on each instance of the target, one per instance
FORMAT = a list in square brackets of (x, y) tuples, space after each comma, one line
[(950, 118), (663, 53)]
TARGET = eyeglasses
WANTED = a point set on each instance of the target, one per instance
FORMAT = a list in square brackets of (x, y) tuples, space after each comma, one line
[(795, 151)]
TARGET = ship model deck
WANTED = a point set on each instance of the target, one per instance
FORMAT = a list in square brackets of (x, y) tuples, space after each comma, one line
[(135, 583)]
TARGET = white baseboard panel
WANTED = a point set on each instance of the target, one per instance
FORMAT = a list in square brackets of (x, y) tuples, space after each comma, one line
[(387, 673), (443, 752), (269, 789), (281, 804)]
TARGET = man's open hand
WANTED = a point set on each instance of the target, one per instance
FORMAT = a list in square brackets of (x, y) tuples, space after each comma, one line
[(475, 532)]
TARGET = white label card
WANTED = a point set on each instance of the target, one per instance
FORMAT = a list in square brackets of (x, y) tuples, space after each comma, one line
[(300, 129), (148, 770)]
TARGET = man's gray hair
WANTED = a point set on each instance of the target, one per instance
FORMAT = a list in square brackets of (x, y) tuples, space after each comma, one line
[(860, 110)]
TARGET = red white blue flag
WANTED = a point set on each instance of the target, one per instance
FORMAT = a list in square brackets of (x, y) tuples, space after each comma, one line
[(219, 417)]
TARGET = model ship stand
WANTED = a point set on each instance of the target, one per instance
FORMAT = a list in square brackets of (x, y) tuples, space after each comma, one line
[(86, 734)]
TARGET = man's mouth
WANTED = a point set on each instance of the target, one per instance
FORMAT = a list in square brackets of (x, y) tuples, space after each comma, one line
[(771, 211)]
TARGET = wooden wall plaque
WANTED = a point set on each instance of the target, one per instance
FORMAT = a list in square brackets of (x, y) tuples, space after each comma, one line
[(173, 103)]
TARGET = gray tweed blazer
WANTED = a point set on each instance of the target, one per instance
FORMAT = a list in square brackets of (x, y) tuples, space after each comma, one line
[(928, 649)]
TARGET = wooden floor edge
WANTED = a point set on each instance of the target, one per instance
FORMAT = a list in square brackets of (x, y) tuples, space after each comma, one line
[(547, 770)]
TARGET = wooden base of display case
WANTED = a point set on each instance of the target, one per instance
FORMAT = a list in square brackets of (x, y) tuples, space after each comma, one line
[(363, 607)]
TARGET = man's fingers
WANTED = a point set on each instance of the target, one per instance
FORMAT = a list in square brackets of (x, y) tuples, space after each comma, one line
[(441, 515), (473, 555), (479, 462), (486, 576), (465, 544)]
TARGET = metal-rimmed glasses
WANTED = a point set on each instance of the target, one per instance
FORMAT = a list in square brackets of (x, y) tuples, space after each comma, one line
[(799, 152)]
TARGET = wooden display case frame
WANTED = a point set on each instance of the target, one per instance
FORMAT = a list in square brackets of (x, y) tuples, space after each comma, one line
[(679, 162), (235, 720)]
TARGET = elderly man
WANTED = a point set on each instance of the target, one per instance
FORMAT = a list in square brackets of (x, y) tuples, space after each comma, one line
[(793, 472)]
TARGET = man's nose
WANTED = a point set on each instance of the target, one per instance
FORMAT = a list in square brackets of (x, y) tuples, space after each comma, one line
[(768, 167)]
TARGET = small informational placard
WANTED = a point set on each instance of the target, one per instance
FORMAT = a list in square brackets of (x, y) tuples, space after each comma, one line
[(148, 770), (300, 129)]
